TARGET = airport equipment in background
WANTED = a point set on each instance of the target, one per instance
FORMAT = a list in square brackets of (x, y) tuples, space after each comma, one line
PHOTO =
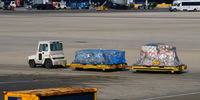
[(138, 6), (42, 4), (158, 57), (49, 54), (60, 5), (9, 5), (18, 3), (163, 5), (53, 94), (103, 7), (74, 5), (150, 5), (1, 5), (84, 5), (185, 5), (99, 59), (117, 4)]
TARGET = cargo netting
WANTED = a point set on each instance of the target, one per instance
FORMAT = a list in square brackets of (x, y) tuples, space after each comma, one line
[(158, 54)]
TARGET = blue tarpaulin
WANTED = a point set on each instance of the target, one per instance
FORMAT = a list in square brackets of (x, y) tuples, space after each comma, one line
[(100, 57), (75, 5)]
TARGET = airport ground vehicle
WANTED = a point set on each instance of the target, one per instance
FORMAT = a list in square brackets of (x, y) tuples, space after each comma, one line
[(103, 7), (60, 5), (185, 5), (42, 4), (9, 5), (49, 54), (1, 5), (53, 94), (118, 4), (74, 5), (84, 5)]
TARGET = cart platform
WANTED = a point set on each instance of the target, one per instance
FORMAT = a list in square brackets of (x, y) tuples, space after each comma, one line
[(171, 69), (103, 67), (52, 94)]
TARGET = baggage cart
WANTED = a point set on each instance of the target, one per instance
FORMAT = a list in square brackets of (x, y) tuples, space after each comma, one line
[(171, 69), (103, 67), (158, 57), (53, 94), (105, 59)]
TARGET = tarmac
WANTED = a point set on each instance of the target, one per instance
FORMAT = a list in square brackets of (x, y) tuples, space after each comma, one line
[(20, 33)]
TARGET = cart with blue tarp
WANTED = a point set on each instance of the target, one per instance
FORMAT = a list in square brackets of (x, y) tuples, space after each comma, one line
[(105, 59)]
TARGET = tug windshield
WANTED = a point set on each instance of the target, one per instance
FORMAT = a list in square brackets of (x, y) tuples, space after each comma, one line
[(175, 4), (56, 46)]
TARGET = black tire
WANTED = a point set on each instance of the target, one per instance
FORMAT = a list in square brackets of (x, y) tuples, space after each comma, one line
[(48, 64), (178, 72), (195, 10), (78, 68), (175, 10), (60, 66), (107, 70), (32, 63)]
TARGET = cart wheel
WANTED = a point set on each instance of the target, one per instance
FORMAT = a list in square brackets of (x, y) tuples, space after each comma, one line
[(172, 72), (104, 70), (195, 10), (179, 72), (175, 10), (78, 68)]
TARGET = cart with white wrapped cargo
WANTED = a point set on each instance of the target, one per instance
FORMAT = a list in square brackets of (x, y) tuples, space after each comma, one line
[(158, 57)]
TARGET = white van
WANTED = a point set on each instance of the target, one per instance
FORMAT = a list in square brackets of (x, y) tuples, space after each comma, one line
[(185, 5)]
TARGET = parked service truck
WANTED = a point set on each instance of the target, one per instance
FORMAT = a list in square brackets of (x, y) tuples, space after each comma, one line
[(9, 5), (42, 4), (61, 5), (49, 54), (1, 5)]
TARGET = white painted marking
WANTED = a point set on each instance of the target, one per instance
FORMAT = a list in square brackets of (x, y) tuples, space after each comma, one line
[(170, 96)]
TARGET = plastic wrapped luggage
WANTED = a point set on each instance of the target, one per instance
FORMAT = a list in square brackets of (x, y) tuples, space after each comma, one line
[(100, 57), (158, 54)]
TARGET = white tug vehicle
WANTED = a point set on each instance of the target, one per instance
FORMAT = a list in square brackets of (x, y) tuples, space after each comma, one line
[(49, 54)]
